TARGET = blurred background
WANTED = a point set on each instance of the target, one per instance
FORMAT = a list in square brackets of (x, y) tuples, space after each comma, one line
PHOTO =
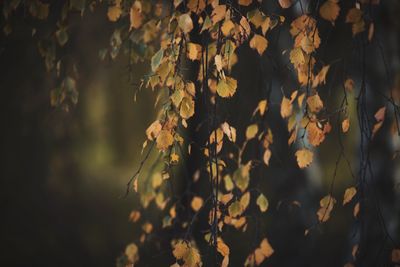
[(63, 173)]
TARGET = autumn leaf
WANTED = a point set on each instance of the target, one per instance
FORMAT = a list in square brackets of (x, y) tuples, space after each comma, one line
[(262, 203), (326, 204), (235, 209), (187, 108), (315, 103), (132, 253), (286, 3), (330, 10), (304, 157), (218, 13), (197, 203), (113, 13), (164, 140), (259, 43), (286, 107), (345, 125), (245, 201), (185, 23), (349, 193), (135, 15), (267, 156), (222, 248), (226, 87), (251, 131), (194, 51)]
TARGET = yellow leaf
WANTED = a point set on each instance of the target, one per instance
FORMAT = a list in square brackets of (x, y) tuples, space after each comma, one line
[(345, 125), (227, 87), (135, 15), (227, 27), (267, 156), (286, 107), (262, 106), (113, 13), (132, 252), (251, 131), (229, 131), (174, 158), (297, 57), (180, 250), (164, 140), (197, 203), (286, 3), (185, 23), (193, 51), (259, 43), (330, 10), (235, 209), (187, 108), (349, 193), (266, 248), (304, 157), (218, 13), (134, 216), (326, 204), (245, 201), (315, 103), (222, 248), (262, 203)]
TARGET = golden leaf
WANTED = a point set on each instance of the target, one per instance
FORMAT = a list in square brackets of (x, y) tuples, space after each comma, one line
[(235, 209), (134, 216), (321, 77), (113, 13), (262, 203), (266, 248), (315, 103), (297, 57), (349, 193), (132, 252), (345, 125), (180, 250), (330, 10), (251, 131), (227, 27), (187, 108), (185, 23), (135, 15), (286, 3), (222, 248), (267, 156), (259, 43), (226, 87), (164, 140), (286, 107), (197, 203), (218, 13), (326, 204), (193, 51), (304, 157), (245, 201)]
